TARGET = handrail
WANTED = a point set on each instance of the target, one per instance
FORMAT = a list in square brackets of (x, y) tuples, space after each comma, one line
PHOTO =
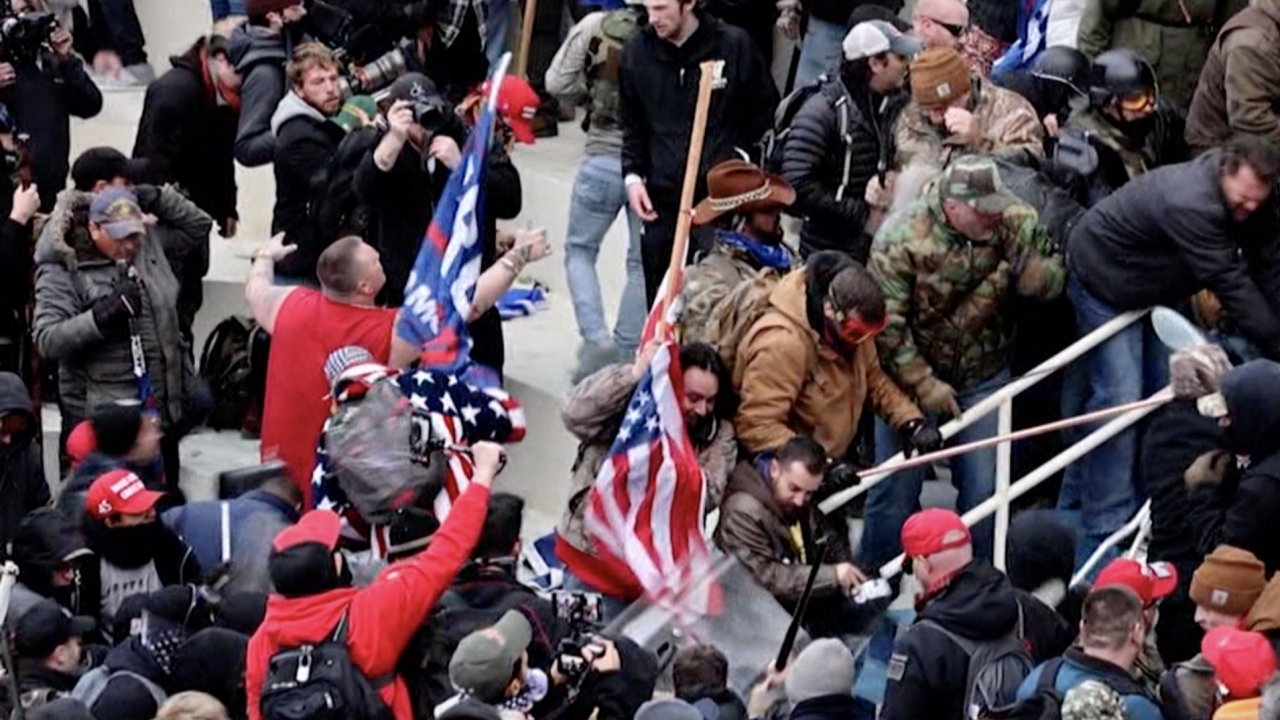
[(1135, 525), (1045, 471), (992, 402)]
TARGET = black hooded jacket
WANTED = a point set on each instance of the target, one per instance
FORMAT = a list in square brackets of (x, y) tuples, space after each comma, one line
[(1242, 510), (124, 697), (928, 671), (187, 134), (259, 56), (45, 539), (22, 484), (658, 83), (839, 118)]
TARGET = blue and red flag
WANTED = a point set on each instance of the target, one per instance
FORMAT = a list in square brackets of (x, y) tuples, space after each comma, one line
[(442, 285)]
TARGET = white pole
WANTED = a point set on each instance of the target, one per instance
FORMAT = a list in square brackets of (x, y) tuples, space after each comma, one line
[(1114, 539), (1045, 471), (1004, 466)]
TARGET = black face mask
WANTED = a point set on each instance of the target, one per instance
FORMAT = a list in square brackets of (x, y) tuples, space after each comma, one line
[(131, 547)]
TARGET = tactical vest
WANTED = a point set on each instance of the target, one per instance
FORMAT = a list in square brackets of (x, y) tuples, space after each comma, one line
[(605, 59)]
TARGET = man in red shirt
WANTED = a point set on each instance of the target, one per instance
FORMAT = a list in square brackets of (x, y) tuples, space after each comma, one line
[(313, 591), (306, 326)]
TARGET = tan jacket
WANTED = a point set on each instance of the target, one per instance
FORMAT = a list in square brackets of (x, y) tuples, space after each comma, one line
[(792, 383), (1007, 124), (753, 530), (1239, 88), (593, 412)]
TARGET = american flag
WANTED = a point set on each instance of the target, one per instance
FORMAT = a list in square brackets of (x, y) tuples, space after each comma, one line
[(437, 298), (645, 511)]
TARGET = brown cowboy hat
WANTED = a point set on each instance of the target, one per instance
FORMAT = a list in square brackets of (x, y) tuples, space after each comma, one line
[(737, 186)]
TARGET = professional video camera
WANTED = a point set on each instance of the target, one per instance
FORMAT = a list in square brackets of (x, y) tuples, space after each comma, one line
[(23, 34), (376, 74)]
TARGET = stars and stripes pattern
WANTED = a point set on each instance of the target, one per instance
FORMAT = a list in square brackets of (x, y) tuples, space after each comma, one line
[(645, 511)]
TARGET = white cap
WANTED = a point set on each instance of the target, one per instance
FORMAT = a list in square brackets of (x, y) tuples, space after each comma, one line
[(871, 38)]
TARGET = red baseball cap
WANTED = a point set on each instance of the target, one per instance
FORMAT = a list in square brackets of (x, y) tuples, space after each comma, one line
[(81, 441), (931, 531), (1242, 660), (1150, 582), (317, 526), (119, 492), (518, 102)]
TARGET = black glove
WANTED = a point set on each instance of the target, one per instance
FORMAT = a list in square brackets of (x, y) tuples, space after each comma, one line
[(147, 196), (919, 438), (113, 311)]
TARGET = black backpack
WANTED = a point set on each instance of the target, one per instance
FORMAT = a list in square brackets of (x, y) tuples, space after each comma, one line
[(775, 139), (320, 682), (1046, 702), (996, 667), (226, 367)]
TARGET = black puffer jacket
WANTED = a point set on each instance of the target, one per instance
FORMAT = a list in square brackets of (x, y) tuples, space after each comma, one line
[(832, 125), (1242, 510)]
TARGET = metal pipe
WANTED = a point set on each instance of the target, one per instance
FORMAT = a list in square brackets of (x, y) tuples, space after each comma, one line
[(1045, 471), (1112, 540), (1004, 467), (1099, 335)]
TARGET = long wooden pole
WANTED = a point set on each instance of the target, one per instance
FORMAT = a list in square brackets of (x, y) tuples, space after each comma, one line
[(526, 37), (710, 74), (1014, 436)]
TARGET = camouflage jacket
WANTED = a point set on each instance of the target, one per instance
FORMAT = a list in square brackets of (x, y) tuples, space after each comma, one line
[(1007, 123), (945, 294), (713, 278)]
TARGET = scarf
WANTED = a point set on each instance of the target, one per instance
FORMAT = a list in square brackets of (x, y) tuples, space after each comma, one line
[(773, 256)]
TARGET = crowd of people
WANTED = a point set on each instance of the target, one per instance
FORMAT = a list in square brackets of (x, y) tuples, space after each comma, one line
[(933, 203)]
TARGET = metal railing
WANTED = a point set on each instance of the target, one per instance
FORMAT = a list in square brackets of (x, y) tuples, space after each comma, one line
[(1001, 401)]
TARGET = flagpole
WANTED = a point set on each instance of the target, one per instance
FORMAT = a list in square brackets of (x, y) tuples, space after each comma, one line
[(526, 37), (709, 73), (495, 81)]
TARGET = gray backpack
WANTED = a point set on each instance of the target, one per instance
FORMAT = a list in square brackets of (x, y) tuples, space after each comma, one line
[(92, 684), (996, 668)]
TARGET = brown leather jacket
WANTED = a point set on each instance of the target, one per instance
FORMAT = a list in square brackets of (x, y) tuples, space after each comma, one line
[(792, 383), (1239, 88), (753, 530)]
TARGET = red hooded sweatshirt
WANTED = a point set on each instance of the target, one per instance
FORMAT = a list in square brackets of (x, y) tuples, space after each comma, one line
[(383, 616)]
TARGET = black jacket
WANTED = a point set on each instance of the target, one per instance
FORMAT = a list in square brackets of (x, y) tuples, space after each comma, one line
[(826, 707), (1167, 234), (1176, 435), (45, 538), (187, 135), (928, 671), (813, 161), (261, 67), (42, 101), (22, 484), (1242, 510), (306, 142), (659, 90), (124, 697)]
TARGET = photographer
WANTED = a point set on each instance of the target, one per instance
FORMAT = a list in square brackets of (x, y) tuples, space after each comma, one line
[(611, 678), (400, 179), (43, 86)]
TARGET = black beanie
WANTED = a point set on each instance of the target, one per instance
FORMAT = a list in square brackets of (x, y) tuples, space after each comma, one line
[(116, 427), (303, 569), (242, 611)]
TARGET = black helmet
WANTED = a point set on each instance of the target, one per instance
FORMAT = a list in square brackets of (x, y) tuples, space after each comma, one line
[(1062, 65), (1120, 72)]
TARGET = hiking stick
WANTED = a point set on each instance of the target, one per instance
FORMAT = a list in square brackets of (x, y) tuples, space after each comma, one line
[(709, 72), (526, 37)]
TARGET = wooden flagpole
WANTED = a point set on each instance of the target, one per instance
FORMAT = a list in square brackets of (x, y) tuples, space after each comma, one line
[(526, 37), (709, 72)]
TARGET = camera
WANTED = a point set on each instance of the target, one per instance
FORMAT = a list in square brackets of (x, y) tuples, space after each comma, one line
[(23, 34), (375, 74), (583, 613)]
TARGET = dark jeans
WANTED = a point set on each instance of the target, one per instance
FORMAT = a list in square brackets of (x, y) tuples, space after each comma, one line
[(657, 239), (117, 26)]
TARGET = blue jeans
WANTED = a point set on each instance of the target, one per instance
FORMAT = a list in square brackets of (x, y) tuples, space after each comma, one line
[(495, 42), (891, 502), (1123, 369), (819, 51), (598, 195)]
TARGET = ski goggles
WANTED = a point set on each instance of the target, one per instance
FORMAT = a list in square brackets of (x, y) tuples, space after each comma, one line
[(1137, 102)]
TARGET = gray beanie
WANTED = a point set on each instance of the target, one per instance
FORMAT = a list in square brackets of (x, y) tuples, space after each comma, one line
[(667, 709), (823, 668)]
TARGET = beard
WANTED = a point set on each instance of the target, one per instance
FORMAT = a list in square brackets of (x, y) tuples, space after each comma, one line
[(702, 429)]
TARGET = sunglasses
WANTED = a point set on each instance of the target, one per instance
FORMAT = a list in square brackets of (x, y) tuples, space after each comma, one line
[(955, 30)]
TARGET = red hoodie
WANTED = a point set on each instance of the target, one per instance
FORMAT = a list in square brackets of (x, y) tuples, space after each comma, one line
[(383, 616)]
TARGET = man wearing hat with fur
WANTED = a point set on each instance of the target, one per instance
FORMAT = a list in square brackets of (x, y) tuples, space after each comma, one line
[(746, 203), (1225, 588), (953, 112), (949, 265), (841, 137), (963, 598)]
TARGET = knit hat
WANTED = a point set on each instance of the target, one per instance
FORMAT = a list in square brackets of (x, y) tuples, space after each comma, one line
[(1229, 581), (824, 668), (939, 76), (667, 709), (259, 8), (116, 426)]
